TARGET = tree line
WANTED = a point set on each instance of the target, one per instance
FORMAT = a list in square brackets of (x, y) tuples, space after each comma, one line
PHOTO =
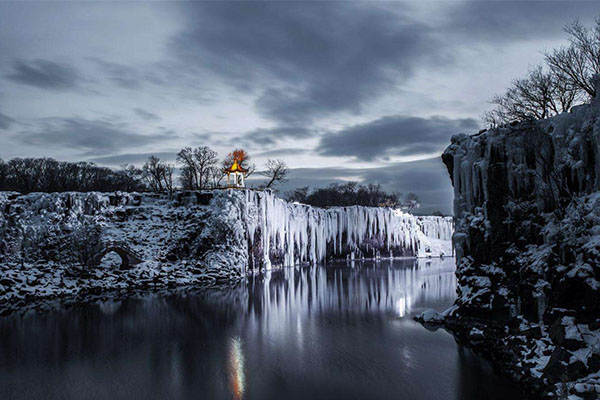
[(564, 80), (353, 194), (199, 168), (27, 175)]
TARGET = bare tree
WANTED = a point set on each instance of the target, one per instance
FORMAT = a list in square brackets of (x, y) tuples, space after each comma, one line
[(167, 177), (215, 176), (580, 60), (189, 172), (205, 158), (567, 80), (159, 175), (411, 201), (541, 94), (153, 174), (130, 175), (276, 171), (84, 244)]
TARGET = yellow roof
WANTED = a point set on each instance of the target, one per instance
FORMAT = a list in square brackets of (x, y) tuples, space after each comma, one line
[(236, 167)]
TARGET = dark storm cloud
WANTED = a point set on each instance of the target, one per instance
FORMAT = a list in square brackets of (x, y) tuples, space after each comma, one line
[(90, 137), (427, 178), (147, 115), (305, 61), (44, 74), (5, 121), (394, 136), (132, 158)]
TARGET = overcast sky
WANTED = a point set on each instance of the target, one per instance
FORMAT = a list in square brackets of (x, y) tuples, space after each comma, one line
[(340, 91)]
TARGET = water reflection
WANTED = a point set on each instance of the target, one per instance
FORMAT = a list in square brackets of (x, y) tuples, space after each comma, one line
[(236, 368), (341, 332)]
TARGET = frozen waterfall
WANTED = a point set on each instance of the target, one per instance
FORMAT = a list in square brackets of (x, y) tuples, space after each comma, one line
[(295, 233)]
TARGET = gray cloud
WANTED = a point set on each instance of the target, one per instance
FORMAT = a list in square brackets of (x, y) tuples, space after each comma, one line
[(305, 61), (268, 136), (90, 136), (5, 121), (132, 158), (513, 21), (147, 115), (394, 136), (44, 74), (126, 76), (282, 152)]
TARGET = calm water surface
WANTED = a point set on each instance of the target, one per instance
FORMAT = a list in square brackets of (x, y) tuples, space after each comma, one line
[(342, 332)]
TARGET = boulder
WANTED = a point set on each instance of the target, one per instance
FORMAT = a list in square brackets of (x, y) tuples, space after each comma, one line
[(563, 366), (564, 332)]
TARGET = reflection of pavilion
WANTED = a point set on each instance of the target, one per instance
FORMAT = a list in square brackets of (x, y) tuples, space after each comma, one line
[(235, 367)]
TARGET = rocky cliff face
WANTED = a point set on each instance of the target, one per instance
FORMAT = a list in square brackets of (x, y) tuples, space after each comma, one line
[(527, 240)]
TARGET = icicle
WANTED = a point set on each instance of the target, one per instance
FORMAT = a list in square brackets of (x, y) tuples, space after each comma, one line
[(301, 233)]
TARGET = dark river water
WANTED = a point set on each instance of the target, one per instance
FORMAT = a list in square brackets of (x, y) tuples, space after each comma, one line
[(342, 332)]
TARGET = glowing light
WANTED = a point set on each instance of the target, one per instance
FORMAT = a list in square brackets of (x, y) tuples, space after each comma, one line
[(237, 378)]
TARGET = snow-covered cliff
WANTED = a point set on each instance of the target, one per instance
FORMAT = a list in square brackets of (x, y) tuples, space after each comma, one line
[(527, 240)]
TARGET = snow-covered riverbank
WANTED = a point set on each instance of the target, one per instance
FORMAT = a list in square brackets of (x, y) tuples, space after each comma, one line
[(45, 238)]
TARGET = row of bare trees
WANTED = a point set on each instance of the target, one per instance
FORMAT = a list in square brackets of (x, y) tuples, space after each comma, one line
[(199, 169), (351, 194), (28, 175), (565, 80)]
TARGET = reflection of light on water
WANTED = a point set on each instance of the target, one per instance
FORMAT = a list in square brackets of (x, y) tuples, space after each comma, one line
[(404, 305), (109, 307), (237, 378)]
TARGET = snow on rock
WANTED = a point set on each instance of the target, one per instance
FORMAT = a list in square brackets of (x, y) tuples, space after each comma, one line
[(527, 242)]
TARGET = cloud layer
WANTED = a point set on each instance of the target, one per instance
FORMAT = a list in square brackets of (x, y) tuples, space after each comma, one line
[(90, 137), (318, 84), (395, 136), (44, 74)]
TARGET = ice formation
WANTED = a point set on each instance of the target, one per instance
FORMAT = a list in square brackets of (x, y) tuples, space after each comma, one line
[(301, 233)]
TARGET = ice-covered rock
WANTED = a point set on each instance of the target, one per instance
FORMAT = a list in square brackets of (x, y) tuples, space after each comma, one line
[(527, 242)]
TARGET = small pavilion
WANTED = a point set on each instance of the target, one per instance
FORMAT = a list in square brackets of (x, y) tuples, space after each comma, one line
[(235, 175)]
